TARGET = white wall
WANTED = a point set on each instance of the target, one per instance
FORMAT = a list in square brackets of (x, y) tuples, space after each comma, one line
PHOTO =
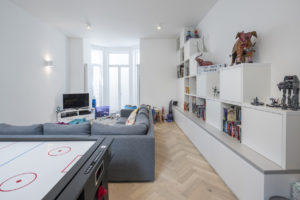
[(277, 23), (29, 92), (157, 71), (76, 65)]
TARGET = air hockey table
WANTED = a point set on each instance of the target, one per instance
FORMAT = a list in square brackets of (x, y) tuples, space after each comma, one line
[(48, 168)]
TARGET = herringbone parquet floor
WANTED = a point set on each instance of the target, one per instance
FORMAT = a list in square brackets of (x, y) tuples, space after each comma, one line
[(181, 173)]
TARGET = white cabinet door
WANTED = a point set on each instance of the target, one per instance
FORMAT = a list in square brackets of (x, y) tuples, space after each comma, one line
[(263, 132), (214, 113), (193, 66), (231, 84), (201, 85)]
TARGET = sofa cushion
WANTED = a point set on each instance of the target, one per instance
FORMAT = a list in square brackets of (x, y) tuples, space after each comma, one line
[(131, 119), (59, 129), (144, 111), (117, 129), (142, 119), (121, 120), (6, 129)]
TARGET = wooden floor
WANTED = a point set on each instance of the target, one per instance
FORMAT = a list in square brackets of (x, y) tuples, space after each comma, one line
[(181, 173)]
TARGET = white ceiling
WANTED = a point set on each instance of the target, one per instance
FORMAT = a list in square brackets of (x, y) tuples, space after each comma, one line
[(118, 22)]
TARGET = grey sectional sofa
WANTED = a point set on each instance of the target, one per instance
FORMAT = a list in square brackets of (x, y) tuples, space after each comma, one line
[(133, 148)]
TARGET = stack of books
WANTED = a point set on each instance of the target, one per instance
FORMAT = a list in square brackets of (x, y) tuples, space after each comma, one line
[(232, 122), (201, 112), (180, 71), (194, 106), (186, 106)]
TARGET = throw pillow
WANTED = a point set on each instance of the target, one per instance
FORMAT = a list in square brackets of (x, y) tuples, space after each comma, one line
[(131, 119)]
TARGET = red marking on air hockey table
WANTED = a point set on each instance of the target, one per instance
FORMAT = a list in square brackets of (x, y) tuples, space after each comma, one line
[(66, 169), (59, 151), (18, 182), (8, 145)]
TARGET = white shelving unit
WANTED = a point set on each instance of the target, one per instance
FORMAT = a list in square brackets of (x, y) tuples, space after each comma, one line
[(269, 135)]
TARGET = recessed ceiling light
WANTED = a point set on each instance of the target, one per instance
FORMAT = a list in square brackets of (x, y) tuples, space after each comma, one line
[(158, 27), (88, 27)]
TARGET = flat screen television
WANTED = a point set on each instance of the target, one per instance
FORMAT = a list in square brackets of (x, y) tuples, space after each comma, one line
[(75, 100)]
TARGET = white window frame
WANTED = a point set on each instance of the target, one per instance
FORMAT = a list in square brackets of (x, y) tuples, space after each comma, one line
[(105, 87), (130, 66), (101, 87)]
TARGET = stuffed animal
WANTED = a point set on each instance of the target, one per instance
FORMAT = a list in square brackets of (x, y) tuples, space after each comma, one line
[(201, 62), (243, 48)]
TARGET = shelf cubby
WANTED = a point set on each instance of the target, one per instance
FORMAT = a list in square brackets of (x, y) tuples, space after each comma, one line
[(186, 105), (192, 84), (232, 120), (186, 68), (201, 108), (180, 71), (191, 47), (206, 81)]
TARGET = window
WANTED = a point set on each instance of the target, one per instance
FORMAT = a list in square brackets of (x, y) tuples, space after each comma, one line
[(115, 77), (119, 76), (119, 59), (97, 67)]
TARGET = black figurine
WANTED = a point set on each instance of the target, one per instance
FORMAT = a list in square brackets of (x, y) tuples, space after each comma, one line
[(216, 91), (289, 84), (256, 102), (274, 104)]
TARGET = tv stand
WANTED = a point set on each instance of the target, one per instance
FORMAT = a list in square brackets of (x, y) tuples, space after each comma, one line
[(76, 113)]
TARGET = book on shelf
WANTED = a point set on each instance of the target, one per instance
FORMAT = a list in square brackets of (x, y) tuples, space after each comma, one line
[(187, 89), (194, 106), (186, 106), (232, 122), (201, 113), (180, 71)]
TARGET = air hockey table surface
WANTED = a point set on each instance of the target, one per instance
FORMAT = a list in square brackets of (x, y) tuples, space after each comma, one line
[(33, 169)]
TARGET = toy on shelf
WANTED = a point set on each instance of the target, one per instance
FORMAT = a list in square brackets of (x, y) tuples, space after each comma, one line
[(243, 49), (201, 62), (188, 35), (196, 34), (289, 84), (216, 91), (274, 103), (256, 102)]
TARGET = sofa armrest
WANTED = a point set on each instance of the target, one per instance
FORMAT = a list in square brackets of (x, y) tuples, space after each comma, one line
[(134, 159), (125, 112)]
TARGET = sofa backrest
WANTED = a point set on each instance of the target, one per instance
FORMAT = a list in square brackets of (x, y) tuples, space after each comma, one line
[(74, 129), (117, 129), (7, 129)]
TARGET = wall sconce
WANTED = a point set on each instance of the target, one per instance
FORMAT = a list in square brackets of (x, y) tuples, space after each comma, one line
[(48, 63)]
